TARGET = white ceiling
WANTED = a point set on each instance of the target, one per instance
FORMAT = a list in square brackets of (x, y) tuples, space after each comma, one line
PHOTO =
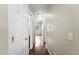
[(38, 7)]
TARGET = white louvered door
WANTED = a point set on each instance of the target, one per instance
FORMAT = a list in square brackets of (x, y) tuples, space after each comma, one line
[(18, 30)]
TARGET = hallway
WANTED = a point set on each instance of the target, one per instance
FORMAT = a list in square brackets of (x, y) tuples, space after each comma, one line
[(39, 48), (30, 25)]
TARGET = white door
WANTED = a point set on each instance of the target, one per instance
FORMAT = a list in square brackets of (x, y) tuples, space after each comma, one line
[(18, 31)]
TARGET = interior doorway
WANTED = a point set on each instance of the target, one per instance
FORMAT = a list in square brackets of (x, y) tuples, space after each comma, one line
[(38, 34)]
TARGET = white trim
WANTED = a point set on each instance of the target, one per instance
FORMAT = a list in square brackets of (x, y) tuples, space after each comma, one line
[(48, 48), (8, 29)]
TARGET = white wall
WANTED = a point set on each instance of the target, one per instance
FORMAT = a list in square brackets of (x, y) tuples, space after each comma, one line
[(66, 19), (3, 29)]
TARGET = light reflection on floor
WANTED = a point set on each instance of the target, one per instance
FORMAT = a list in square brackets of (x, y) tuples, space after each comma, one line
[(38, 41), (39, 47)]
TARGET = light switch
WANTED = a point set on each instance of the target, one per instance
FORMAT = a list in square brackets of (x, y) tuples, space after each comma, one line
[(70, 36)]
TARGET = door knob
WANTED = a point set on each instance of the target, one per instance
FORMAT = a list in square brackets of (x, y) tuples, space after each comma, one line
[(25, 38), (12, 38)]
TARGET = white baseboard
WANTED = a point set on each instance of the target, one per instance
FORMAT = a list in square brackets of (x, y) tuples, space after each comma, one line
[(48, 49)]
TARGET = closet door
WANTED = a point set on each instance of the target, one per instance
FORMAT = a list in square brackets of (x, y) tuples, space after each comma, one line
[(12, 30), (18, 31)]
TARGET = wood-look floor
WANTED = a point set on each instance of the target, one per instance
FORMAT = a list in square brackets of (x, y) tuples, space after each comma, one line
[(40, 50)]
